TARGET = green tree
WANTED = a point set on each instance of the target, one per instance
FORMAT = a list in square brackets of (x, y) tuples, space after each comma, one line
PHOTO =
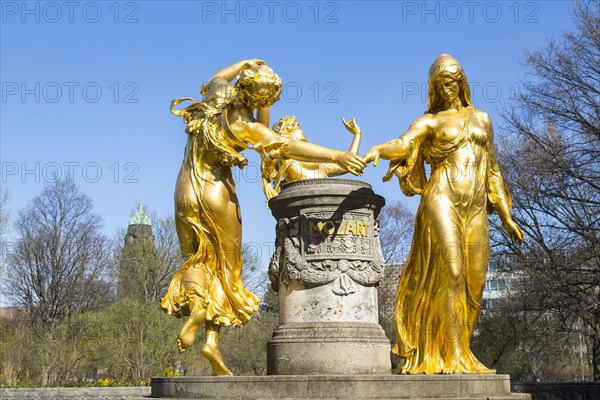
[(134, 341)]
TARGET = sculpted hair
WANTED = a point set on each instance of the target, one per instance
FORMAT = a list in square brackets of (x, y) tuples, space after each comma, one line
[(286, 126), (258, 86)]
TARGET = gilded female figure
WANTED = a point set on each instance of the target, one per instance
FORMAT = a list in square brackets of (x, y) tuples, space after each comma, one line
[(208, 287), (440, 290)]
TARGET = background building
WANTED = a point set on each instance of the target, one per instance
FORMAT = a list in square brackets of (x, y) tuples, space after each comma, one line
[(137, 258)]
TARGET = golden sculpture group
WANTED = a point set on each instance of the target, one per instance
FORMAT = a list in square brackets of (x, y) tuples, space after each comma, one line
[(440, 290)]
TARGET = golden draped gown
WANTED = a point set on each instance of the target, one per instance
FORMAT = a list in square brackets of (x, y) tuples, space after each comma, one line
[(208, 219), (441, 287)]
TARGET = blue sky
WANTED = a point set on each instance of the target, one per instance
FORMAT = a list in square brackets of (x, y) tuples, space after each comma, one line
[(86, 86)]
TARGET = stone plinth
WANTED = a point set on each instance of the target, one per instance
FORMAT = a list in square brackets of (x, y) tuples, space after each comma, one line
[(439, 387), (326, 267)]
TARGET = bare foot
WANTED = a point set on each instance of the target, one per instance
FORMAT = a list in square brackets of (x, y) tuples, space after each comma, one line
[(482, 369), (187, 335), (180, 346), (459, 365), (186, 338), (212, 354), (452, 367)]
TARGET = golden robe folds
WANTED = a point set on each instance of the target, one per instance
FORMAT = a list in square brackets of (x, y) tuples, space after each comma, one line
[(205, 200), (431, 311)]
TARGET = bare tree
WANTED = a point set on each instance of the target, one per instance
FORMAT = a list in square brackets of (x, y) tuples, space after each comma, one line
[(58, 263), (4, 226), (552, 162), (254, 271), (397, 223), (3, 211), (168, 256)]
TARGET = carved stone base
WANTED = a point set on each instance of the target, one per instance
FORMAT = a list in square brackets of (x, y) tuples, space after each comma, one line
[(327, 265), (328, 348)]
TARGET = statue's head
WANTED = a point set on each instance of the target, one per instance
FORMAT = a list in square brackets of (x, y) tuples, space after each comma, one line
[(258, 86), (444, 70), (289, 127)]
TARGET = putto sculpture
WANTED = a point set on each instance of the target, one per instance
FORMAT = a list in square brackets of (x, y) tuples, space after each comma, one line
[(208, 288), (276, 172), (440, 290)]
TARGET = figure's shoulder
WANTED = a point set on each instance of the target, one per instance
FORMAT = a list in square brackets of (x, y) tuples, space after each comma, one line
[(217, 91), (482, 116), (426, 120)]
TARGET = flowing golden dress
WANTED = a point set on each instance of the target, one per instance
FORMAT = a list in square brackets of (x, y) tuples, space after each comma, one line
[(208, 220), (441, 287)]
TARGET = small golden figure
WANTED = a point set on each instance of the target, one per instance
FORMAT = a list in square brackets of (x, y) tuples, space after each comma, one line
[(441, 287), (275, 172), (208, 287)]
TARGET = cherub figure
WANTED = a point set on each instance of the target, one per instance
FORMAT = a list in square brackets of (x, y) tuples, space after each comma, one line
[(276, 172)]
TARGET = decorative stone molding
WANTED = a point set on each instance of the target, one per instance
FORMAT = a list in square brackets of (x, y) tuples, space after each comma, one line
[(326, 266)]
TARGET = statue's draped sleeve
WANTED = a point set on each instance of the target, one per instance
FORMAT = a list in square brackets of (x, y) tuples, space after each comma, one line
[(498, 194), (409, 170)]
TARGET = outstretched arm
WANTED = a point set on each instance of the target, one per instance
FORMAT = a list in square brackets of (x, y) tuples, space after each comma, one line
[(332, 169), (266, 141), (399, 148)]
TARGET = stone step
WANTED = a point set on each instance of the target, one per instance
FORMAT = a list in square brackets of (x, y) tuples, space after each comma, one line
[(456, 386), (513, 396), (81, 393)]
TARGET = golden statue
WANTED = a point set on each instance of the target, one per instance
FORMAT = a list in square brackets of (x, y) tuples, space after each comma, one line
[(441, 288), (275, 172), (208, 287)]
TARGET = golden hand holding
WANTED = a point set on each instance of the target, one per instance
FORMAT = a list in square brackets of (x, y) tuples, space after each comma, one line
[(372, 155), (351, 162)]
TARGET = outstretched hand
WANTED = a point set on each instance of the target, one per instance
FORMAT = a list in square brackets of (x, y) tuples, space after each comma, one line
[(351, 162), (372, 155), (352, 126)]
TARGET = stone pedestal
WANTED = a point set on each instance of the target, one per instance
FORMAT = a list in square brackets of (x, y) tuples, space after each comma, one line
[(382, 387), (326, 267)]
